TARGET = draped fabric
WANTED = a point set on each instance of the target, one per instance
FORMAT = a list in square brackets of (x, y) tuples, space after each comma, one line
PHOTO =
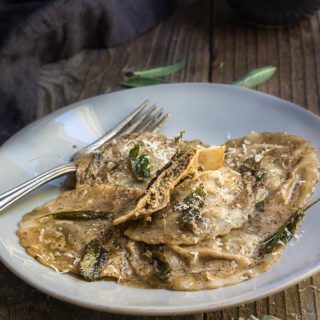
[(38, 32)]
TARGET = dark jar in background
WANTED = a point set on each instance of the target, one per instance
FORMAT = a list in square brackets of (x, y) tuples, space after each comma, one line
[(274, 12)]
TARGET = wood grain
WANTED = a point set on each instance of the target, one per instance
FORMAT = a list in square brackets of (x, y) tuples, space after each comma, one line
[(216, 47)]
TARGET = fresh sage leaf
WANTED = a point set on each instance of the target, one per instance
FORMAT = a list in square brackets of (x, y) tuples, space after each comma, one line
[(160, 71), (141, 82), (256, 76)]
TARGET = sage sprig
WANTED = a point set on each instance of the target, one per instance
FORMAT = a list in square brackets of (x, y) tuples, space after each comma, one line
[(153, 76), (256, 76)]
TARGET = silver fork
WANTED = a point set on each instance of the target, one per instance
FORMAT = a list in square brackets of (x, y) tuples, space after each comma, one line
[(143, 118)]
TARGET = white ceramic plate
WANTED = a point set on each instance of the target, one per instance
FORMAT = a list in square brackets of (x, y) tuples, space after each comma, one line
[(206, 111)]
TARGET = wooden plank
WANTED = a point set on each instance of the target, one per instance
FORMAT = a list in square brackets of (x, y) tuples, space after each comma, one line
[(218, 46), (316, 292), (231, 313), (262, 307), (315, 31), (310, 40), (217, 315), (277, 305), (251, 50), (239, 53), (273, 59), (263, 57), (247, 310)]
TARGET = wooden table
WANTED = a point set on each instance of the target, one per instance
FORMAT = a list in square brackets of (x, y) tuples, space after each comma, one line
[(217, 47)]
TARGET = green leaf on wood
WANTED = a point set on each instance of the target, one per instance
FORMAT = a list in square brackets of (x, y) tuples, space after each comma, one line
[(160, 71), (141, 82), (256, 76)]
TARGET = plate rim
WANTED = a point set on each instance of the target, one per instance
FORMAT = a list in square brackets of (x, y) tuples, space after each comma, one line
[(158, 310)]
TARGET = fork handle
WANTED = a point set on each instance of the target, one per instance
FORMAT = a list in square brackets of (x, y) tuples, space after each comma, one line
[(11, 196)]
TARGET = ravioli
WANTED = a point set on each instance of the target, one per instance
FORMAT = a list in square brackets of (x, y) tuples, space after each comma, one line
[(283, 176), (185, 162), (202, 218), (227, 203), (197, 267), (59, 242), (110, 164), (284, 170)]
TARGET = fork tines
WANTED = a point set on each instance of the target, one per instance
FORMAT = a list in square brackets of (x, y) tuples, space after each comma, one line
[(150, 118)]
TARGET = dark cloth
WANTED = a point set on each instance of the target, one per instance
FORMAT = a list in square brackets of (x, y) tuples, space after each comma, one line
[(39, 32)]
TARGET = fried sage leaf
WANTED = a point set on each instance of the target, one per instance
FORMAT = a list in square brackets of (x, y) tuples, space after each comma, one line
[(82, 215), (155, 256), (250, 166), (162, 269), (94, 257), (140, 164), (260, 206), (191, 207), (260, 176), (285, 233)]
